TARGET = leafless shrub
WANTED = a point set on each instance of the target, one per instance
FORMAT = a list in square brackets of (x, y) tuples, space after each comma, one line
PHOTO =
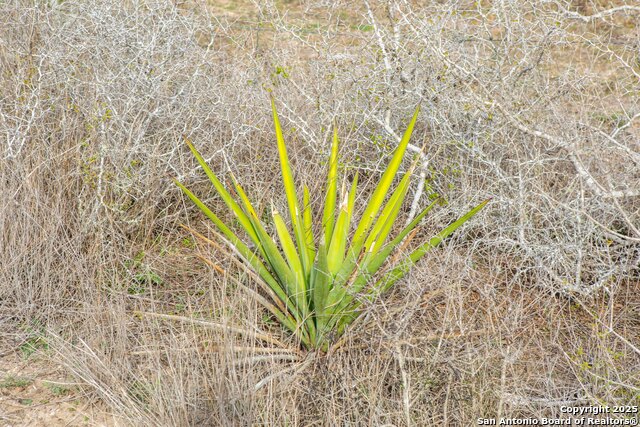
[(532, 103)]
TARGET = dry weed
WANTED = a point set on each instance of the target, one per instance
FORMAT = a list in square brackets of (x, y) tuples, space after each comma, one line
[(533, 306)]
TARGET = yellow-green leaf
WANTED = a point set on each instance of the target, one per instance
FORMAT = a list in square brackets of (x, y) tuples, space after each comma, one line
[(328, 217)]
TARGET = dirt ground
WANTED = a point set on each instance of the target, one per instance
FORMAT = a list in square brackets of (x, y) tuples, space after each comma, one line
[(34, 392)]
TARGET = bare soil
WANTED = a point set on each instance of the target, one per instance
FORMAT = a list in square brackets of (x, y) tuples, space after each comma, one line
[(35, 392)]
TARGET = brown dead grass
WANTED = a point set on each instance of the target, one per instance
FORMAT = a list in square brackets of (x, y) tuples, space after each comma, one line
[(472, 332), (35, 391)]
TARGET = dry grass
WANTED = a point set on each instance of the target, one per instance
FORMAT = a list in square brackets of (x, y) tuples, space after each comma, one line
[(531, 306)]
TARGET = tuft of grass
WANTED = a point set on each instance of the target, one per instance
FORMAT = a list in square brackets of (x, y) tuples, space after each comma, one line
[(363, 27), (16, 382), (313, 282), (33, 345), (57, 389)]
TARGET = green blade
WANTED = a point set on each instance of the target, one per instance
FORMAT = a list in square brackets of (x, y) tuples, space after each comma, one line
[(300, 293), (321, 285), (308, 223), (245, 253), (446, 232), (369, 266), (282, 271), (401, 270), (278, 264), (349, 266), (338, 244), (352, 196), (328, 216), (398, 272), (290, 190), (243, 197), (335, 253), (290, 275), (288, 322), (383, 224), (226, 197), (288, 247), (380, 193), (291, 254), (286, 275)]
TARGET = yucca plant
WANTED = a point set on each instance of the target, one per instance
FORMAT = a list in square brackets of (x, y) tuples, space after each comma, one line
[(316, 284)]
